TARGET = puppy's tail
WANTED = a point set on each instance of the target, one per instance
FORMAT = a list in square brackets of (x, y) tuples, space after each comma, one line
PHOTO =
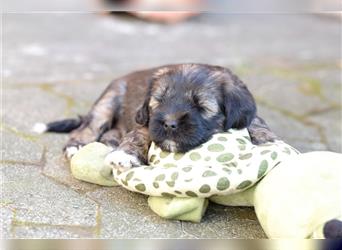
[(62, 126)]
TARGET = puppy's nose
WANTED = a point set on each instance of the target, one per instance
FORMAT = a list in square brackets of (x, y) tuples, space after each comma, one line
[(170, 125)]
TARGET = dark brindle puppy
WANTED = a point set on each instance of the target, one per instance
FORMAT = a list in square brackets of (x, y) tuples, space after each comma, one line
[(177, 106)]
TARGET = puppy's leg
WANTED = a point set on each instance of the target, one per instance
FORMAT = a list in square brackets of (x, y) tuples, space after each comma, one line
[(132, 151), (100, 118), (111, 138), (259, 132)]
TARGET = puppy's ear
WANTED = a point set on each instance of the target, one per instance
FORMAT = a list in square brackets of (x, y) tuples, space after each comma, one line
[(239, 105), (142, 116)]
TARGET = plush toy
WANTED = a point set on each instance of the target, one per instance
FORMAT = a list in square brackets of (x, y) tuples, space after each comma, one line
[(226, 164), (87, 165), (223, 169), (297, 199)]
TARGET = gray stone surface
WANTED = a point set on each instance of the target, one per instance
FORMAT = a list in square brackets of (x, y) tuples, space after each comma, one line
[(269, 88), (6, 218), (37, 102), (57, 168), (38, 199), (126, 215), (225, 223), (82, 94), (20, 147), (299, 134), (332, 129), (56, 65), (50, 232), (72, 50)]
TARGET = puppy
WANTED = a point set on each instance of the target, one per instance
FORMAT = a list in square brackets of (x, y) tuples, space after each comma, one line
[(178, 107)]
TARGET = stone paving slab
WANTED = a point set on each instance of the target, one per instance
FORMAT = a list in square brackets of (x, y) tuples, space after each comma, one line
[(301, 136), (57, 168), (24, 105), (20, 147), (331, 124), (225, 223), (50, 232), (6, 218), (39, 200), (82, 95), (270, 88), (328, 79), (126, 215), (59, 53)]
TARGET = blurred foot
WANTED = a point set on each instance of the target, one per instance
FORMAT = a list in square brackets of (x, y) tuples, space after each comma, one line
[(161, 16), (164, 16)]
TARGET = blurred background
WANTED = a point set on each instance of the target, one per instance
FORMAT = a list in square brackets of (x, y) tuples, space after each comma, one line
[(58, 56), (291, 62)]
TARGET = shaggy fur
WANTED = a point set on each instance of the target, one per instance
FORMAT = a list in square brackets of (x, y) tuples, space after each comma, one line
[(180, 107)]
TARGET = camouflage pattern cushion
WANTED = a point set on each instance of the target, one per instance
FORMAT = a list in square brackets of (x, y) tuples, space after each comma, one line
[(226, 164)]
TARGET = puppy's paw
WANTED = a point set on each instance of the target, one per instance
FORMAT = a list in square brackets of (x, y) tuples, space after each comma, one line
[(263, 136), (121, 160), (69, 151)]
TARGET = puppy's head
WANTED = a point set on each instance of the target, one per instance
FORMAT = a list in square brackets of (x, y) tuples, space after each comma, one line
[(186, 104)]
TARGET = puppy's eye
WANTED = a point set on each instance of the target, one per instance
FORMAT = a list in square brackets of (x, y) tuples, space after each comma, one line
[(195, 99), (197, 104)]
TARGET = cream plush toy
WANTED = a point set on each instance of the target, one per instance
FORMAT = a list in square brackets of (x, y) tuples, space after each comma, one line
[(300, 198), (295, 199)]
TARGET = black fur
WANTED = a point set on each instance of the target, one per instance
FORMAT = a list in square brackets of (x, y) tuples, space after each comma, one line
[(142, 115), (239, 108), (64, 126), (333, 229), (183, 106), (200, 100)]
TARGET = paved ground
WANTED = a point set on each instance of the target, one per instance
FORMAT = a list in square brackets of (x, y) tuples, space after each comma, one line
[(55, 66)]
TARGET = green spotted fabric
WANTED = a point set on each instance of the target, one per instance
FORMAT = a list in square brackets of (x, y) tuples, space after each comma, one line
[(226, 164)]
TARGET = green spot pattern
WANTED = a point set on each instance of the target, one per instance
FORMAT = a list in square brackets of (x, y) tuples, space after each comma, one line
[(221, 138), (222, 184), (191, 194), (178, 156), (187, 169), (170, 165), (262, 168), (209, 173), (245, 156), (225, 157), (170, 183), (174, 176), (204, 189), (140, 187), (216, 147), (129, 175), (244, 184), (160, 177), (168, 195), (164, 154), (195, 156)]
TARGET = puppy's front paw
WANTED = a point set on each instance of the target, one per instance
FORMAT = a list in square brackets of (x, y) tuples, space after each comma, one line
[(121, 160), (69, 151)]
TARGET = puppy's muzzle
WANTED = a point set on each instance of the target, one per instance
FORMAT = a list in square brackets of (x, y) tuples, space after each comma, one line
[(172, 121), (170, 125)]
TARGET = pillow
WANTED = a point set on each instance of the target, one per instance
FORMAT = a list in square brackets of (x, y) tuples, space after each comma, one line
[(228, 163)]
